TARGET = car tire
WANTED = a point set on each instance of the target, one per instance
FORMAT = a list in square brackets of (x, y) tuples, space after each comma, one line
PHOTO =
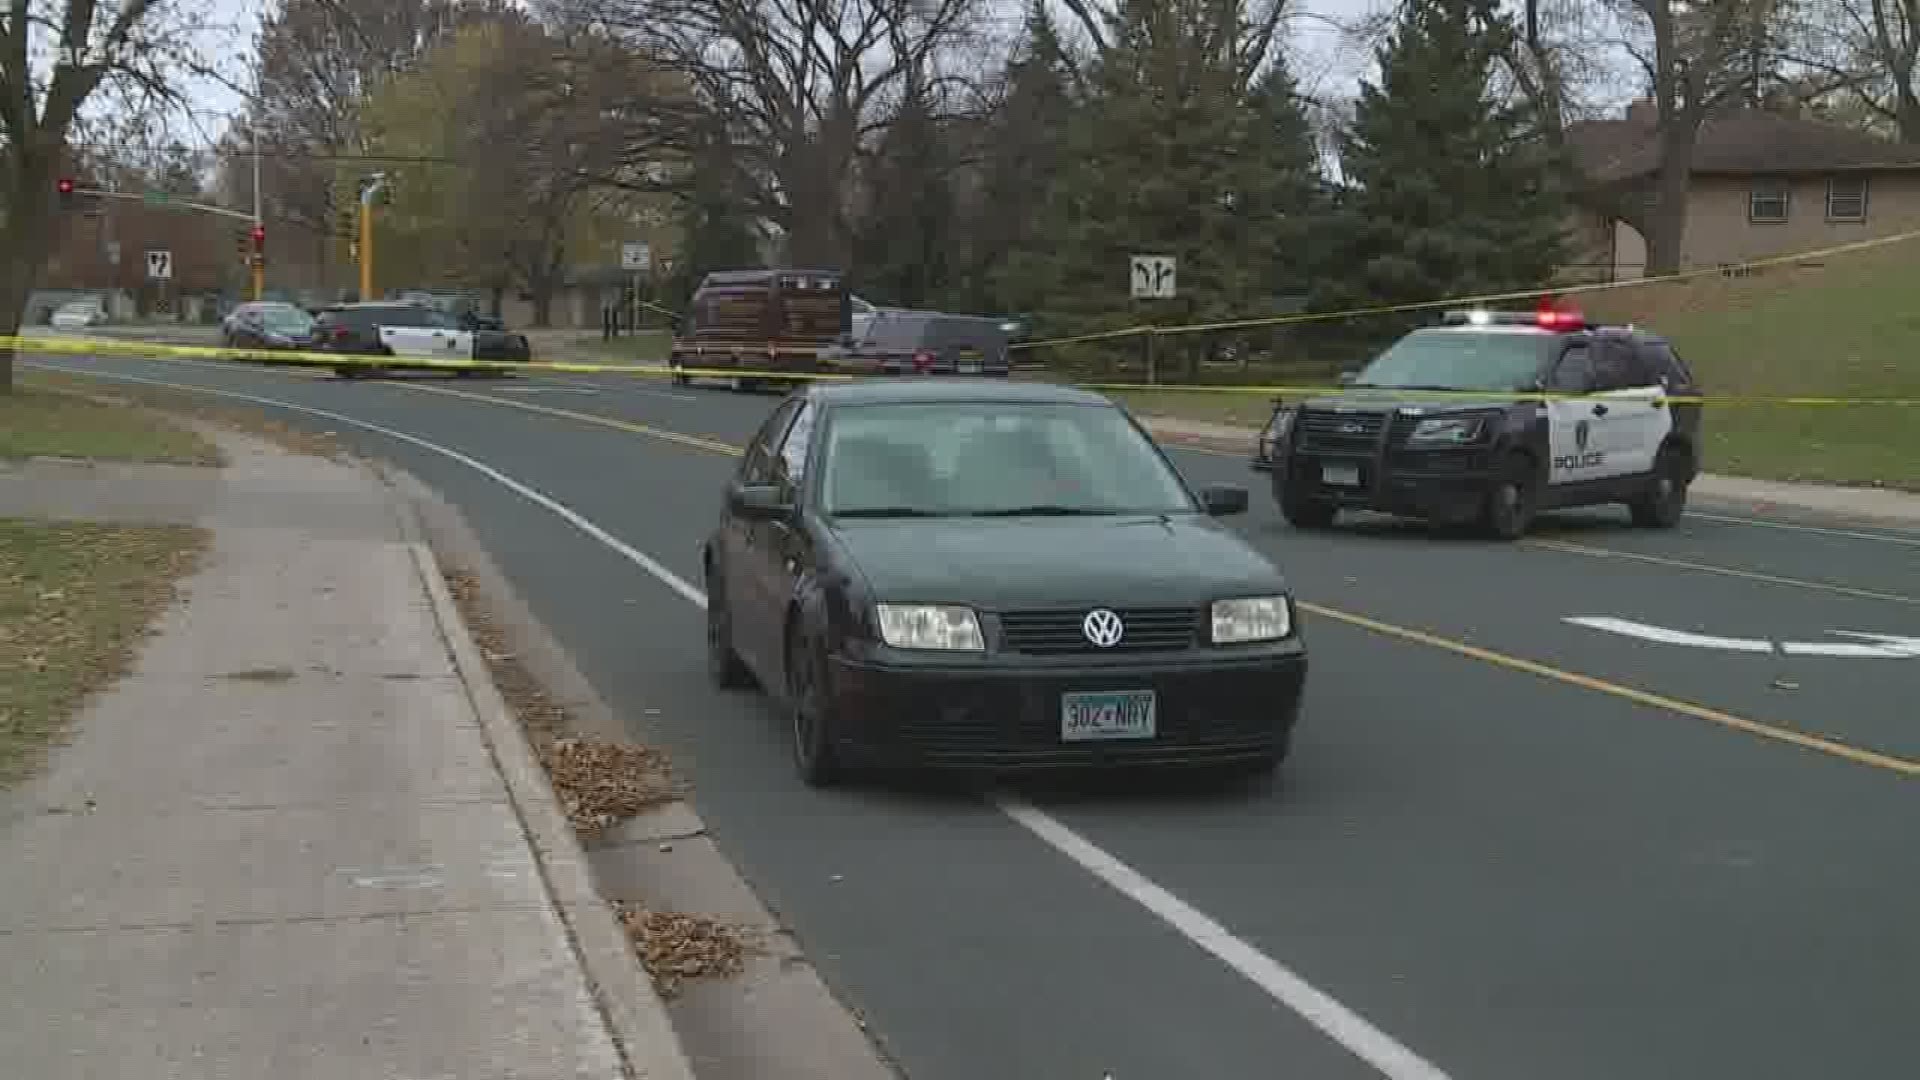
[(724, 665), (810, 714), (347, 371), (1513, 500), (1665, 501), (1303, 512)]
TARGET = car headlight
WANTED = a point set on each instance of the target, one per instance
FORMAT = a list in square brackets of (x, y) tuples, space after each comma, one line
[(1448, 430), (930, 626), (1251, 618)]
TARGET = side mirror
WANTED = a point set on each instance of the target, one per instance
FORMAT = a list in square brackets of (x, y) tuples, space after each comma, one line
[(1347, 378), (757, 502), (1222, 500)]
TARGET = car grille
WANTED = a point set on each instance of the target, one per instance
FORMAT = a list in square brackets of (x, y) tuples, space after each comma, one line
[(1349, 433), (1057, 632)]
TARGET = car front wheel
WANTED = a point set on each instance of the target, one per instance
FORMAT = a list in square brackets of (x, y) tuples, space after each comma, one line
[(809, 705), (1513, 500)]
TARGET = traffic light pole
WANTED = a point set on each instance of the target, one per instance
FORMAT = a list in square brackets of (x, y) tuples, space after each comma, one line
[(259, 261)]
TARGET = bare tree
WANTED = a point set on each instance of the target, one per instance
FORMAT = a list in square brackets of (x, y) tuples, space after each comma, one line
[(56, 57), (1696, 58), (1867, 49), (801, 88)]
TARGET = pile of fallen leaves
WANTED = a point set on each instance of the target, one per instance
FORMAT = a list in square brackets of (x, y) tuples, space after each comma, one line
[(676, 947), (601, 784)]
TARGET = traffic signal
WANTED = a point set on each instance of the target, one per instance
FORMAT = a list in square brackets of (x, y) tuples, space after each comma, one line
[(259, 236), (65, 187), (242, 243)]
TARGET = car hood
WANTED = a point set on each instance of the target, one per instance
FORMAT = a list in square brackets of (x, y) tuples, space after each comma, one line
[(1412, 403), (1006, 563)]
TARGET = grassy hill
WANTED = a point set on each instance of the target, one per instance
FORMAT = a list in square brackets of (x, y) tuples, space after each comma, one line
[(1846, 327)]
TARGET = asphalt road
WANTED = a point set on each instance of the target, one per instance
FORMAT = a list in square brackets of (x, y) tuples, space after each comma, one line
[(1517, 847)]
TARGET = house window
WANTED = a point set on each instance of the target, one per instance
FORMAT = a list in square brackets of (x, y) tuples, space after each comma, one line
[(1767, 201), (1847, 198)]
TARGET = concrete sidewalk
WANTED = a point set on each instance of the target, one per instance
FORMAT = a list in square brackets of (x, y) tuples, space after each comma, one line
[(1884, 505), (303, 839)]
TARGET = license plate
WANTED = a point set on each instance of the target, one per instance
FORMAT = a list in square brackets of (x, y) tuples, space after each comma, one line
[(1340, 475), (1115, 714)]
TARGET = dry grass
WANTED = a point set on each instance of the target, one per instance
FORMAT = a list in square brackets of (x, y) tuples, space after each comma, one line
[(198, 406), (74, 600), (37, 420)]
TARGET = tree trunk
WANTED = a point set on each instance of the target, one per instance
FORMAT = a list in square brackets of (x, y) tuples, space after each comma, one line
[(23, 250), (1667, 217)]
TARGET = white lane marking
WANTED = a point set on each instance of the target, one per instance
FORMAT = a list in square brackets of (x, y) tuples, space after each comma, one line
[(1346, 1027), (1341, 1024), (1883, 647), (619, 386), (1848, 534)]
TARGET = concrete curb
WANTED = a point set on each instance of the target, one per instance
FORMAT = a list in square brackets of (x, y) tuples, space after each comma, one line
[(636, 1018)]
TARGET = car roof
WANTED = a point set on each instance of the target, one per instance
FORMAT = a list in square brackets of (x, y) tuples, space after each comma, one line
[(918, 391)]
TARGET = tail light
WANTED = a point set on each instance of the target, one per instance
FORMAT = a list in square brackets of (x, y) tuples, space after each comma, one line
[(923, 362)]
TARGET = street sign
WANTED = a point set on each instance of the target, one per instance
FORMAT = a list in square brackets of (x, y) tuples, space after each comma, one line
[(154, 198), (636, 256), (160, 265), (1153, 277)]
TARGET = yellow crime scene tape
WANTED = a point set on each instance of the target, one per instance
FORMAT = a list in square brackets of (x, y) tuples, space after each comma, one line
[(850, 369)]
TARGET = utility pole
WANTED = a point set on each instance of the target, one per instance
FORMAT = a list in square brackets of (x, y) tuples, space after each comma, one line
[(369, 188), (259, 225)]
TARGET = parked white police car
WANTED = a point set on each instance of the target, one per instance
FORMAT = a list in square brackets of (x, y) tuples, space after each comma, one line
[(1409, 436)]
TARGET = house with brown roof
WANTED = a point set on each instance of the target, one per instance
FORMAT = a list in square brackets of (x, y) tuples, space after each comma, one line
[(1763, 184)]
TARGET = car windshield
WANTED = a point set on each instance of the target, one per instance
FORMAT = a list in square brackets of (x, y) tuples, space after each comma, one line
[(286, 319), (1459, 360), (954, 459)]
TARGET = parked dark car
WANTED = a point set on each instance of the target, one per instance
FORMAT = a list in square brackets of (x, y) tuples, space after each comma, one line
[(898, 342), (269, 325), (971, 573), (403, 331)]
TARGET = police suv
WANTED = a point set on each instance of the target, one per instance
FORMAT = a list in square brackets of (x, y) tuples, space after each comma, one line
[(1409, 435)]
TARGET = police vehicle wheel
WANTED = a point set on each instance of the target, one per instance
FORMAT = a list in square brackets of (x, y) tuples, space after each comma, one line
[(1512, 501), (1666, 499), (1305, 513)]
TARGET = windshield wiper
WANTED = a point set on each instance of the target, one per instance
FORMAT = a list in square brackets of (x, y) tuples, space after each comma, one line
[(1044, 510), (888, 512)]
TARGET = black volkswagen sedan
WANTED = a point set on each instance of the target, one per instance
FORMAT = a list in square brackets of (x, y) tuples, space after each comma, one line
[(981, 574)]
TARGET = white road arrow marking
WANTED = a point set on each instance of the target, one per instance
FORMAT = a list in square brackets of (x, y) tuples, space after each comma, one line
[(1868, 646)]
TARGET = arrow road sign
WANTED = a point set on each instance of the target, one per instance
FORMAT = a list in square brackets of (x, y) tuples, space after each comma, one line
[(1152, 277), (160, 265), (1864, 646)]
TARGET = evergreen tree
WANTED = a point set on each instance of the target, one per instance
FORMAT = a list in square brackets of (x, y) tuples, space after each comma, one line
[(1022, 148), (1452, 187), (904, 253), (1175, 155)]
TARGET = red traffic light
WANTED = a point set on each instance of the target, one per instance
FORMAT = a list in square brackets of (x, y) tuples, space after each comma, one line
[(66, 185), (259, 235)]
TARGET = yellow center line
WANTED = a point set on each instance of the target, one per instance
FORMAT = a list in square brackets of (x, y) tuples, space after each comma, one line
[(1760, 729), (1571, 548)]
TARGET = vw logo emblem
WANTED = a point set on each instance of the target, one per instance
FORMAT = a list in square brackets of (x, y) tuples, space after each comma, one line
[(1102, 627)]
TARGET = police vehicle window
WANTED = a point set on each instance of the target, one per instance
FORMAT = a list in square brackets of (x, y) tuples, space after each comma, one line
[(1665, 364), (793, 449), (1459, 360), (1612, 366), (989, 458), (757, 467), (1574, 373)]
